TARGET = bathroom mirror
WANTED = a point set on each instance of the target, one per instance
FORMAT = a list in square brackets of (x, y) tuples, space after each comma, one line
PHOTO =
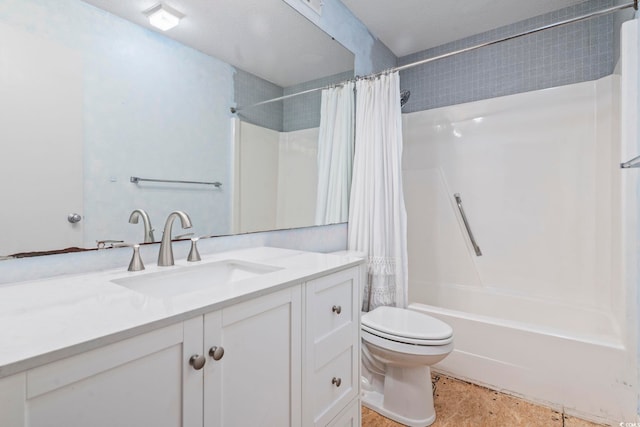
[(91, 96)]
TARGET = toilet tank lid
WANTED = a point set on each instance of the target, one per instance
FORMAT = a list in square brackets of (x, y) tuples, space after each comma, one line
[(402, 322)]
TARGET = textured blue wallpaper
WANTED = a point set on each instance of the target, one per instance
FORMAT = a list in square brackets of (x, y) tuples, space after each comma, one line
[(300, 112), (570, 54), (250, 89), (303, 112)]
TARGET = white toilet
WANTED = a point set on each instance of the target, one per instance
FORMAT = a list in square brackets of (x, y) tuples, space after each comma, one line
[(399, 346)]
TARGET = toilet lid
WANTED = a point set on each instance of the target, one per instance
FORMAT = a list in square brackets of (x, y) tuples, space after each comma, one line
[(405, 323)]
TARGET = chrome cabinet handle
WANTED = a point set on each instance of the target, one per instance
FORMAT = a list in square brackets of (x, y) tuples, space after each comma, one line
[(74, 218), (216, 352), (336, 309), (336, 381), (197, 361)]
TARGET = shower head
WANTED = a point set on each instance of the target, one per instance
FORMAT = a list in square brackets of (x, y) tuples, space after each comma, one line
[(404, 97)]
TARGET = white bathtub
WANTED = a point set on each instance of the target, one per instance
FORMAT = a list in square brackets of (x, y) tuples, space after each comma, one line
[(583, 369)]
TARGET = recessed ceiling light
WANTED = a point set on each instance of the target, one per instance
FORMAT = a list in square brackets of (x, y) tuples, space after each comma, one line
[(163, 17)]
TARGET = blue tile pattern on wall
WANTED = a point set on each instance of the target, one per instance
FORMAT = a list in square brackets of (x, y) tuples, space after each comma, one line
[(250, 89), (570, 54), (300, 112), (303, 112)]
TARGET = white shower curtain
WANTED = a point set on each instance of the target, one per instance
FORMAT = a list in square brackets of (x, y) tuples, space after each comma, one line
[(335, 154), (377, 215)]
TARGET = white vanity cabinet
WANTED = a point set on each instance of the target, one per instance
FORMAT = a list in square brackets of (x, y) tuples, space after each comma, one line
[(285, 358), (332, 347), (133, 382)]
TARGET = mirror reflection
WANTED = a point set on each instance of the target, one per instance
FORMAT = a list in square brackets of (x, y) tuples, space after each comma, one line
[(90, 97)]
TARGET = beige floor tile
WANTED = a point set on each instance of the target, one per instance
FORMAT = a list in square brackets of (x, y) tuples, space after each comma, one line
[(577, 422), (461, 404), (372, 419)]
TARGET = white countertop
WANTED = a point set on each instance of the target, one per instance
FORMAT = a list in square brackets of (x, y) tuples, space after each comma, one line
[(46, 320)]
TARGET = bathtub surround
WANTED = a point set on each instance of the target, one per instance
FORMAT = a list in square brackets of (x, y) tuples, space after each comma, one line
[(544, 201), (377, 215), (630, 183), (265, 160), (571, 54)]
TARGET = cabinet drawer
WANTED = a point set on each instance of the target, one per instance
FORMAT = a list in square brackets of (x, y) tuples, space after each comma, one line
[(334, 385), (331, 303), (349, 417)]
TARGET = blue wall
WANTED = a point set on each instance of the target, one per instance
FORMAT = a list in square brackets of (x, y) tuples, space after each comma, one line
[(152, 107), (570, 54)]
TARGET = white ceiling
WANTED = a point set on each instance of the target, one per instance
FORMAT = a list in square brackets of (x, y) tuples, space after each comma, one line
[(270, 39), (409, 26), (267, 38)]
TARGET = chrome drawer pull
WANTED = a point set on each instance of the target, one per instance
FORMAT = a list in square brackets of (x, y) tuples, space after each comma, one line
[(197, 362), (336, 309), (216, 352), (336, 381)]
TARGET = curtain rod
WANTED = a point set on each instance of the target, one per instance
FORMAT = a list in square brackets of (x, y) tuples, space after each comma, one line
[(596, 14)]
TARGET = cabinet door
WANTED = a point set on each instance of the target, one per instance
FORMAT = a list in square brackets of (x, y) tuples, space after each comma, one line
[(134, 382), (257, 380)]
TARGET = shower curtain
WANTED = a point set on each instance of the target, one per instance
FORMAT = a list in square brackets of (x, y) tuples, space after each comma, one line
[(335, 154), (377, 215)]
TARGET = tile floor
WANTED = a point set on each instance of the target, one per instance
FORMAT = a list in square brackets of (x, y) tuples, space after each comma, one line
[(462, 404)]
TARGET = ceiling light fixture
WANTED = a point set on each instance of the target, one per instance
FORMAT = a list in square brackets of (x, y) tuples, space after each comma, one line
[(163, 17)]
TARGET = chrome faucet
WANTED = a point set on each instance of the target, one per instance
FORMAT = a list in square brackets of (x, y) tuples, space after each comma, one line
[(148, 230), (165, 257)]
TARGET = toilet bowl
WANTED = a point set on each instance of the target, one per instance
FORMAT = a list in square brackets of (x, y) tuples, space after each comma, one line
[(399, 347)]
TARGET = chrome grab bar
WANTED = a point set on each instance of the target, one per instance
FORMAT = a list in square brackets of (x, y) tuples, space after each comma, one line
[(633, 163), (466, 225), (137, 179)]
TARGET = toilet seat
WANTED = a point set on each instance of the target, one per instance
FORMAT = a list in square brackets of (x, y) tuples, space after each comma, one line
[(406, 340), (406, 326)]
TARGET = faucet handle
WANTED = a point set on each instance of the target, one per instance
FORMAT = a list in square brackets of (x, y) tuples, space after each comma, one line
[(194, 255), (103, 243), (136, 260)]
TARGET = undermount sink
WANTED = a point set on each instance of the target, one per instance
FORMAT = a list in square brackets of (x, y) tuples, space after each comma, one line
[(182, 280)]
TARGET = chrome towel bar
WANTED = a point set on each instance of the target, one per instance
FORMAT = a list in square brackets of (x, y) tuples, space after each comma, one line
[(136, 180), (633, 163), (476, 248)]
